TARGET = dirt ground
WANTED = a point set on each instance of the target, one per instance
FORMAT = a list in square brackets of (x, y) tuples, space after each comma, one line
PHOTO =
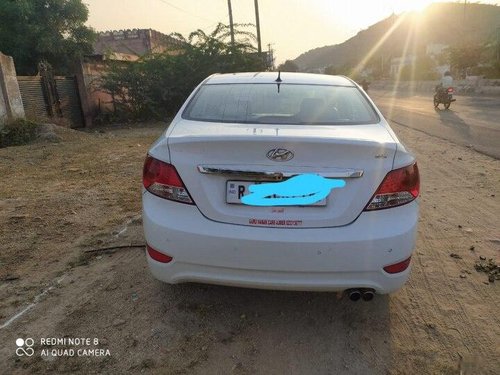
[(59, 200)]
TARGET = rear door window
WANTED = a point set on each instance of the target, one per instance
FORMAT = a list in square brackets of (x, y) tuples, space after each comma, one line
[(283, 104)]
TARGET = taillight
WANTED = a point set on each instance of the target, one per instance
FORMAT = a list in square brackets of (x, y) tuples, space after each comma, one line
[(450, 89), (156, 255), (398, 267), (399, 187), (162, 179)]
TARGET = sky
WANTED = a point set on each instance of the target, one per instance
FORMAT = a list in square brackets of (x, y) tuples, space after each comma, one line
[(290, 26)]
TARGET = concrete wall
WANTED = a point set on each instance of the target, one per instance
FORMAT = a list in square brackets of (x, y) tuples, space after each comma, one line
[(3, 109), (11, 104), (99, 101)]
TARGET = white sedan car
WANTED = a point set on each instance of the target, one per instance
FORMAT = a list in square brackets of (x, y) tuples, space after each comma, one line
[(281, 181)]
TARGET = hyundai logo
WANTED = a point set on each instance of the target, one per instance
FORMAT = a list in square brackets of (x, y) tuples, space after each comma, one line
[(279, 154)]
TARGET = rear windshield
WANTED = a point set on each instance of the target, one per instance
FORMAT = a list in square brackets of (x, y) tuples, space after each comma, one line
[(284, 104)]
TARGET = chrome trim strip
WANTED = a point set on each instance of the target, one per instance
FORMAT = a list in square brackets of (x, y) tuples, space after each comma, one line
[(274, 176)]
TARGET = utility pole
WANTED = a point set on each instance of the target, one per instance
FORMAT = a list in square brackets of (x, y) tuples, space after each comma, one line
[(498, 43), (464, 21), (257, 23), (230, 9), (270, 57)]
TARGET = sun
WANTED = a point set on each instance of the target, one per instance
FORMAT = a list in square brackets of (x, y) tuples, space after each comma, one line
[(412, 5)]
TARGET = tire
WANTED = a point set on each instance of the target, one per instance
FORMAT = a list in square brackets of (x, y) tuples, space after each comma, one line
[(447, 105), (436, 102)]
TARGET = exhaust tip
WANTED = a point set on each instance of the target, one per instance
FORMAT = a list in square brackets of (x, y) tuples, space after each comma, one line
[(354, 295), (368, 295)]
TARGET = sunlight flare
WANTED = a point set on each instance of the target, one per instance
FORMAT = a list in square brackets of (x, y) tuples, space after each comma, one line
[(360, 66)]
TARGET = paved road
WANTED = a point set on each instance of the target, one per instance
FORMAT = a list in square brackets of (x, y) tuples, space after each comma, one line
[(471, 121)]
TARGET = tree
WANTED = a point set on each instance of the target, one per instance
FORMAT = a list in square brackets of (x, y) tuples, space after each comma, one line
[(288, 66), (344, 70), (424, 68), (158, 84), (331, 70), (53, 31), (463, 58)]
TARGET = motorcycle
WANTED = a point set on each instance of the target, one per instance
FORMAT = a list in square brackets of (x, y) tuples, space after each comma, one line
[(443, 95)]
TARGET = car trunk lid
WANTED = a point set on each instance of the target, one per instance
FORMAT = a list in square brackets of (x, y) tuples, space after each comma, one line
[(209, 155)]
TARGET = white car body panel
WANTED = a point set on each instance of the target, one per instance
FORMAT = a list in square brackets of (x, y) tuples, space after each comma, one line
[(286, 258), (336, 247)]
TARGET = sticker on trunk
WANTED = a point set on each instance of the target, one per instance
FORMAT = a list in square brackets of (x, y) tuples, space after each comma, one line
[(275, 222)]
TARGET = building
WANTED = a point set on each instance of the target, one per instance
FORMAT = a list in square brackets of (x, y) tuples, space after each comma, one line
[(119, 47), (135, 42), (435, 49), (398, 63)]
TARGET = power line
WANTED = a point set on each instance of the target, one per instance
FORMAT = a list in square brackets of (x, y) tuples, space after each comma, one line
[(184, 11)]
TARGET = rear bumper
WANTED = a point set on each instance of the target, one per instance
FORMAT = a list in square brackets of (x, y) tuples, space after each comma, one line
[(320, 259)]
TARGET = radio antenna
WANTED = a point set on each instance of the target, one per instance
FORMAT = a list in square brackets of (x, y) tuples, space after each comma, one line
[(278, 80)]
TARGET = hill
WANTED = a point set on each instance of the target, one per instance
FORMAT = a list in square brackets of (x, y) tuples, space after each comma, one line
[(440, 23)]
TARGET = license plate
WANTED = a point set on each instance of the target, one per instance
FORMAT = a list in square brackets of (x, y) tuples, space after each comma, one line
[(237, 189)]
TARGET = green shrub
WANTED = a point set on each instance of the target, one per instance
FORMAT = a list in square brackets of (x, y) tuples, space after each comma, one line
[(18, 132), (156, 86)]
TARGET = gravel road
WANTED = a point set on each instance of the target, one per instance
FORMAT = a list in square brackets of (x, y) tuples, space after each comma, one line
[(58, 200)]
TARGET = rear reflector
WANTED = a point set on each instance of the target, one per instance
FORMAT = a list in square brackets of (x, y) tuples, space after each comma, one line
[(398, 267), (400, 186), (156, 255), (162, 179)]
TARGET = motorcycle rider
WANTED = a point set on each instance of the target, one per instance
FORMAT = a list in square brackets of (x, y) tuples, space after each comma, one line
[(444, 91), (446, 82), (365, 84)]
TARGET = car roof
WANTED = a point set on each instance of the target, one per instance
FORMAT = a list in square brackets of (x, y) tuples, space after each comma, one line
[(286, 77)]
